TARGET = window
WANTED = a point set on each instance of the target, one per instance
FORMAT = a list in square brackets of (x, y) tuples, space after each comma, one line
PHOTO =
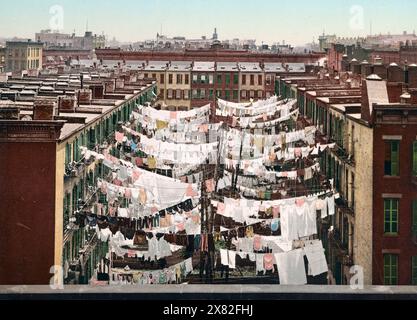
[(162, 93), (414, 271), (218, 93), (227, 79), (162, 78), (219, 79), (211, 92), (68, 152), (170, 78), (186, 94), (76, 151), (244, 79), (392, 158), (260, 80), (91, 138), (235, 78), (243, 94), (414, 217), (252, 94), (194, 93), (178, 94), (67, 209), (195, 78), (187, 79), (252, 79), (203, 94), (179, 78), (391, 216), (390, 269), (227, 95), (210, 79), (260, 94), (235, 94), (415, 158), (268, 80), (170, 94)]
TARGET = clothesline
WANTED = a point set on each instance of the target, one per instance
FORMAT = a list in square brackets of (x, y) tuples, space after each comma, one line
[(290, 265), (166, 115), (173, 274), (247, 124), (271, 108), (245, 105)]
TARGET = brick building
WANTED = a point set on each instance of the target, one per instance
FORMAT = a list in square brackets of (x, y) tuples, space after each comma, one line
[(202, 81), (44, 178), (23, 55), (373, 166), (214, 54)]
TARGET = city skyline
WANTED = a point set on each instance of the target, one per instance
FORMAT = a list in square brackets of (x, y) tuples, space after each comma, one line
[(261, 21)]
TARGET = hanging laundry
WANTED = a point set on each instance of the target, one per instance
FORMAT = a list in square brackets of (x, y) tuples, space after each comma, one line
[(291, 268), (331, 205), (269, 262), (119, 136), (316, 259), (210, 185)]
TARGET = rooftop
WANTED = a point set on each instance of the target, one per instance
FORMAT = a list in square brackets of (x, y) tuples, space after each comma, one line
[(227, 66), (204, 66)]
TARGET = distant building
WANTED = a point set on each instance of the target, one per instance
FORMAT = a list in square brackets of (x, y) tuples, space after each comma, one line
[(22, 55), (53, 40), (2, 59)]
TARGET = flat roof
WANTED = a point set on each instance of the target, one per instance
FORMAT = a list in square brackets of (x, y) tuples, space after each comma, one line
[(249, 67), (180, 66), (227, 66), (203, 66), (156, 66)]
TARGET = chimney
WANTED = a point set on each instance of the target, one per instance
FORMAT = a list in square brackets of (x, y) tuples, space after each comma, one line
[(412, 76), (97, 91), (66, 104), (120, 83), (9, 112), (110, 86), (355, 67), (43, 109), (413, 96), (374, 90), (84, 96), (345, 63), (366, 69), (395, 73)]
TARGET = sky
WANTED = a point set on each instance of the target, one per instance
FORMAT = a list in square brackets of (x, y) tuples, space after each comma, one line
[(295, 21)]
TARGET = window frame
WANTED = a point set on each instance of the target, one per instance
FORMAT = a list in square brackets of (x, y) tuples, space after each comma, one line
[(391, 222), (390, 265), (414, 158), (394, 170), (414, 270)]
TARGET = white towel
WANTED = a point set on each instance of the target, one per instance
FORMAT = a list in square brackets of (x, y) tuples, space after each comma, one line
[(291, 268)]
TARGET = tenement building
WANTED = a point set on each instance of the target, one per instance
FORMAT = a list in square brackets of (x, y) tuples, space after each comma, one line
[(373, 123), (184, 85), (44, 178)]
